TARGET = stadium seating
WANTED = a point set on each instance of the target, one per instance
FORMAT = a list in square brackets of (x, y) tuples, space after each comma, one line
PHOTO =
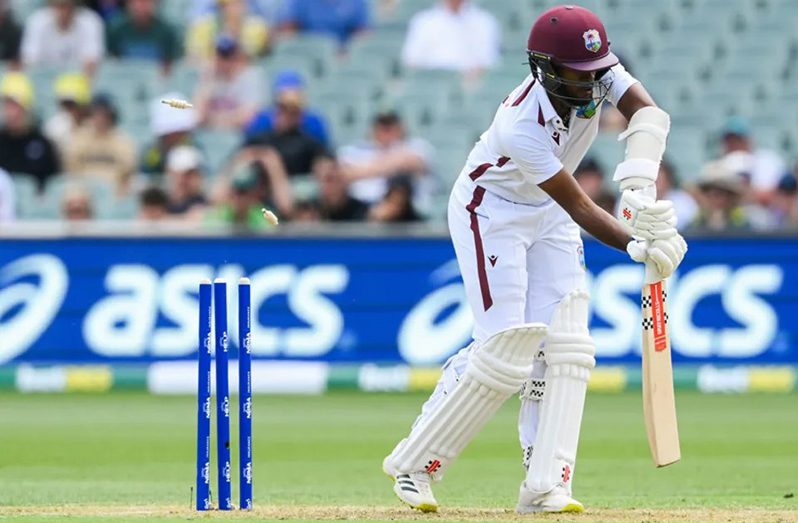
[(700, 59)]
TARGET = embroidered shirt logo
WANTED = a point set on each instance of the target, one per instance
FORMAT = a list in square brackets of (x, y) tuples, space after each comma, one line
[(492, 259)]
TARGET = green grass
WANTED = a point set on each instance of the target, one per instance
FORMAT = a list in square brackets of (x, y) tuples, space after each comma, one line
[(108, 453)]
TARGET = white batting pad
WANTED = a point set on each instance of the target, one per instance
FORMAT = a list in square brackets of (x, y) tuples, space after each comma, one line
[(495, 371), (570, 355)]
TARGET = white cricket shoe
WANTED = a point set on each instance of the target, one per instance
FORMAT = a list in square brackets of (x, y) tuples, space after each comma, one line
[(556, 500), (413, 489)]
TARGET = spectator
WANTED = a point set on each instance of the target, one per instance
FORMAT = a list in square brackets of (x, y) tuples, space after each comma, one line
[(296, 147), (763, 168), (784, 204), (342, 19), (273, 188), (76, 205), (141, 34), (184, 181), (171, 127), (230, 91), (23, 147), (668, 189), (290, 85), (153, 205), (228, 17), (334, 202), (369, 165), (243, 204), (8, 202), (454, 35), (100, 149), (73, 92), (397, 206), (721, 191), (63, 34), (10, 34)]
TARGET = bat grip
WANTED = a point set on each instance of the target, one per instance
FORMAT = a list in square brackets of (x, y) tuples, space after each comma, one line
[(652, 274)]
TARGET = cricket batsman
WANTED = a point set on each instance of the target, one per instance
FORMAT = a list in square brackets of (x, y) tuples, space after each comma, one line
[(514, 216)]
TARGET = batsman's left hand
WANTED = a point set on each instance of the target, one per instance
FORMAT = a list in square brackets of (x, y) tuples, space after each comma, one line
[(665, 253)]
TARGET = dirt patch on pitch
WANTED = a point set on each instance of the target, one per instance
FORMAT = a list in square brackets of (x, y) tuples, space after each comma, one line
[(395, 514)]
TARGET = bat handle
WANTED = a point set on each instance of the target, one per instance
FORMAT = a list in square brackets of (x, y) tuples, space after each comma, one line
[(652, 274)]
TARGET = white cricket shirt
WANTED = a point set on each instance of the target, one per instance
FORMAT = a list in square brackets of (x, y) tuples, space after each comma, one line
[(43, 42), (439, 38), (527, 143)]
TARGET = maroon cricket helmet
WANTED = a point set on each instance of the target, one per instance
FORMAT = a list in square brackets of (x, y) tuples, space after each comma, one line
[(572, 36)]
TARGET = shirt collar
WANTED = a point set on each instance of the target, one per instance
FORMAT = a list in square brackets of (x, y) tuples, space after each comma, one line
[(547, 109)]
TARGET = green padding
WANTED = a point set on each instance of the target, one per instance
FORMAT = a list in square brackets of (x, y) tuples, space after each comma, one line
[(7, 378), (343, 377), (634, 378), (130, 378), (685, 378)]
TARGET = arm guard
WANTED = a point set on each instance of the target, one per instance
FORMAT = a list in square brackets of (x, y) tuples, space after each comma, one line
[(645, 138)]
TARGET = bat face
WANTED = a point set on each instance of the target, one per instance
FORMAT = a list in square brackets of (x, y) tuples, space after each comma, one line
[(659, 405)]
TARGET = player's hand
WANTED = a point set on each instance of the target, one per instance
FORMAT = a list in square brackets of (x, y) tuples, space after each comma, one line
[(665, 253), (645, 218)]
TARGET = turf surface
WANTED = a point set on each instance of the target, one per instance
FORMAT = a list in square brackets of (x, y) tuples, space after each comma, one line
[(131, 457)]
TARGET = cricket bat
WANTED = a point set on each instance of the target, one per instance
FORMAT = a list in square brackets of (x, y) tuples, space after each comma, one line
[(659, 404)]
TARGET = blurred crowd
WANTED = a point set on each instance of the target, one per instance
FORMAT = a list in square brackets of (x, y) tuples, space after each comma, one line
[(287, 158), (284, 143)]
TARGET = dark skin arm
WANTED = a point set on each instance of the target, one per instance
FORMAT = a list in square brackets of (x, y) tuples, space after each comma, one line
[(634, 99), (562, 187)]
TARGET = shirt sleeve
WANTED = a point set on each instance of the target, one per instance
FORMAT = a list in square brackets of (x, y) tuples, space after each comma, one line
[(93, 47), (361, 18), (528, 145), (289, 14), (487, 52), (252, 88), (413, 50), (621, 81), (31, 49)]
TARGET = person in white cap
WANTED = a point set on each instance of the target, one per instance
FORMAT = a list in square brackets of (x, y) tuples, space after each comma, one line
[(171, 127), (184, 180)]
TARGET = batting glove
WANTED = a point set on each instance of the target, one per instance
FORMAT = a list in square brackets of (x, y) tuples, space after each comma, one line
[(645, 218), (666, 253)]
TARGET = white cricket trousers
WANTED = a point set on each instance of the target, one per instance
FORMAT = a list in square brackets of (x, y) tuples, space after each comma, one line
[(517, 262)]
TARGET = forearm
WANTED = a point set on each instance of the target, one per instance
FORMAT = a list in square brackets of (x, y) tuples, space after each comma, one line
[(282, 195), (600, 224), (604, 227), (387, 165)]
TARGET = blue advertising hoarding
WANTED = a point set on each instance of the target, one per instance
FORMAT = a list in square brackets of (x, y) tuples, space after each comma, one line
[(354, 300)]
